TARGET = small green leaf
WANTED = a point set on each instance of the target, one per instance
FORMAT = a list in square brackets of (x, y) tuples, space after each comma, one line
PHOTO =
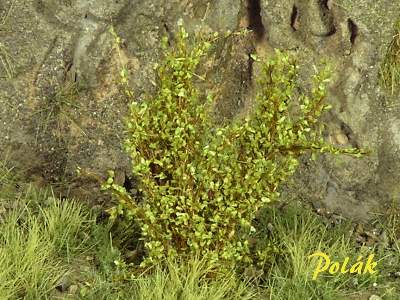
[(254, 57)]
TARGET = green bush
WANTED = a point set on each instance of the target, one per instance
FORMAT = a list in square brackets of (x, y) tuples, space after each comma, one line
[(201, 184)]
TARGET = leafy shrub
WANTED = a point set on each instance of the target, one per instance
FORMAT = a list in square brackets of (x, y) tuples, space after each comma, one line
[(201, 184)]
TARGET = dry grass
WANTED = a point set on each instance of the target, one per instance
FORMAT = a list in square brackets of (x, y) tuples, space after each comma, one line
[(390, 69), (7, 62)]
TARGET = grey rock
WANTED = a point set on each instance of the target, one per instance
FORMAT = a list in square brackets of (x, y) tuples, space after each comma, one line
[(353, 37)]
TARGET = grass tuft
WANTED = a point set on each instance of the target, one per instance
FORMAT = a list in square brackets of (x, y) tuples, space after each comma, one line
[(298, 233), (390, 69), (37, 235), (29, 266), (189, 280)]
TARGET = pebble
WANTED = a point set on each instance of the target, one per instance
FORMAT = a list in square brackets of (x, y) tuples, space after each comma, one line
[(341, 138), (63, 285), (374, 297), (73, 289)]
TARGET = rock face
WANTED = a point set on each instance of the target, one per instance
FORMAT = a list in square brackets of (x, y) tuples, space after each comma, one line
[(352, 36), (61, 109)]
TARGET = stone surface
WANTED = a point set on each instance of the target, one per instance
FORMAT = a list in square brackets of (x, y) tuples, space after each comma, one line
[(61, 110), (352, 36)]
